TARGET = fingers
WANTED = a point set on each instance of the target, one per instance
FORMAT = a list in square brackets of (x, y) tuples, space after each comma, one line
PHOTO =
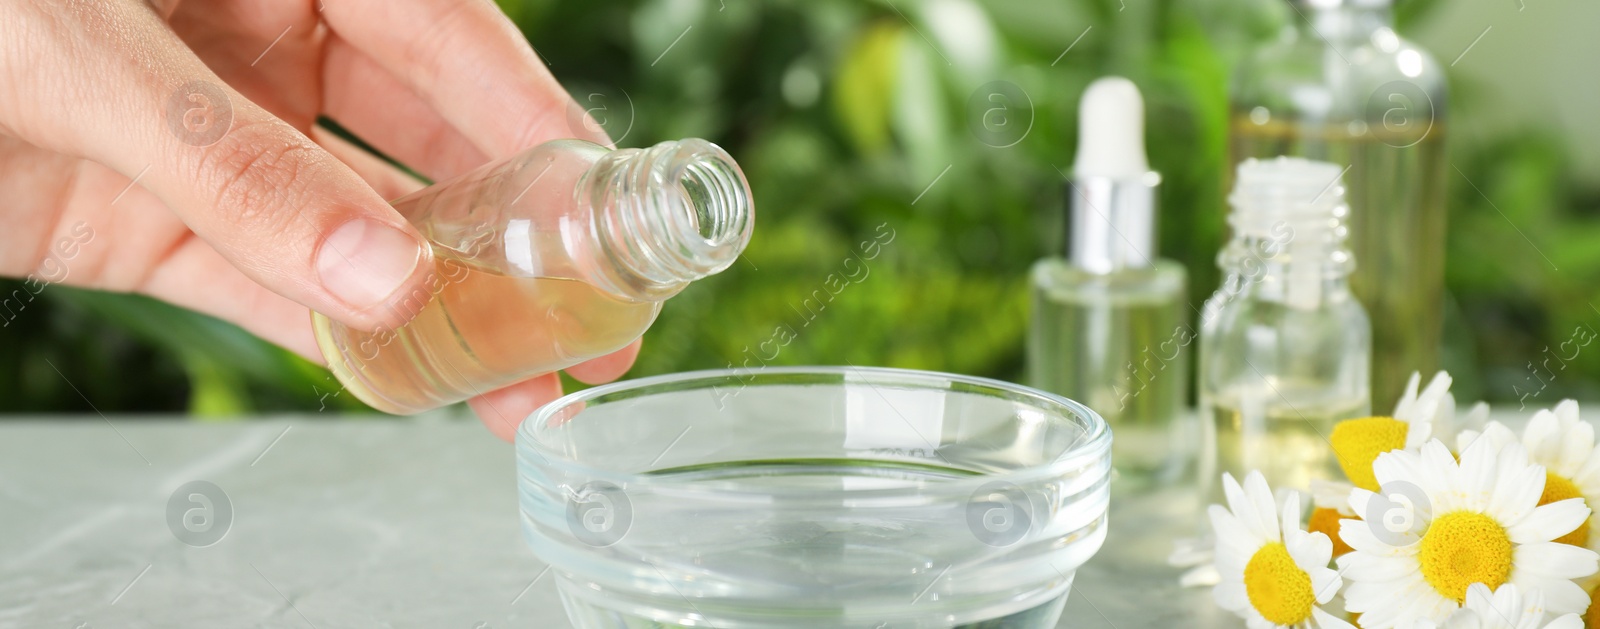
[(384, 112), (387, 180), (268, 199), (606, 368), (502, 411), (469, 63)]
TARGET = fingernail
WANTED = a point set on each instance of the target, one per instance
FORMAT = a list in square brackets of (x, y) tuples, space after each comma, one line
[(364, 261)]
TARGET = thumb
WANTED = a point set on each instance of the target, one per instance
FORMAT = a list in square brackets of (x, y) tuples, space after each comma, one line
[(272, 202)]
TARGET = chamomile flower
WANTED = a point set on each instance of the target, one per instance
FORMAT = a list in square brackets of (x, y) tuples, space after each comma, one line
[(1564, 445), (1358, 442), (1330, 503), (1506, 608), (1473, 521), (1273, 573), (1196, 555)]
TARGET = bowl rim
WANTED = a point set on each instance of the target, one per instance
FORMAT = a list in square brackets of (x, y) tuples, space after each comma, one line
[(1094, 443)]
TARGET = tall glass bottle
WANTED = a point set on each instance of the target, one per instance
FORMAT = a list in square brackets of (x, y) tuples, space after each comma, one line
[(1284, 345), (1109, 321), (559, 254), (1340, 86)]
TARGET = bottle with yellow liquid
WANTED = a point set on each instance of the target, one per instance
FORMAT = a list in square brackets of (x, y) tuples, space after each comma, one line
[(1342, 86), (544, 260)]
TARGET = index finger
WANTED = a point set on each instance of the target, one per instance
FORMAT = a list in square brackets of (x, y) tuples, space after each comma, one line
[(469, 62)]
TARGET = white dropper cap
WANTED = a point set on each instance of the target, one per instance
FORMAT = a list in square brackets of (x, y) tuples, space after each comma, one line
[(1113, 190), (1111, 131)]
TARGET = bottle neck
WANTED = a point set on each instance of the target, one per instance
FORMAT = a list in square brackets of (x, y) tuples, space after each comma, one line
[(1288, 223), (1303, 268), (1346, 20), (665, 216)]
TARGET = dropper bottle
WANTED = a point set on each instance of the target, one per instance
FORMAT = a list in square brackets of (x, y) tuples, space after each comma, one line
[(1109, 319)]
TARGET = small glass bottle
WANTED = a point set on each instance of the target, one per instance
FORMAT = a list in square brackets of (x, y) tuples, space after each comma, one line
[(1284, 345), (1340, 86), (1109, 326), (543, 260)]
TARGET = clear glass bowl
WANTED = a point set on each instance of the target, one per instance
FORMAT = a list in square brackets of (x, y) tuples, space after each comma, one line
[(814, 497)]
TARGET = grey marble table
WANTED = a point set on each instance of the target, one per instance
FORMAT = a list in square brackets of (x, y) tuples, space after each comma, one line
[(357, 522)]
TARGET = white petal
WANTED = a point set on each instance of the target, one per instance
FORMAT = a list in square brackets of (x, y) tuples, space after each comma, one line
[(1325, 620), (1232, 531), (1548, 522), (1327, 494), (1309, 550), (1465, 438), (1230, 596), (1560, 595), (1372, 569), (1577, 446), (1587, 477), (1564, 597), (1357, 535), (1408, 399), (1551, 559), (1325, 584), (1291, 513), (1444, 419), (1567, 410), (1192, 551), (1418, 431), (1477, 478), (1542, 435), (1241, 507), (1519, 488), (1438, 457), (1358, 501), (1569, 621), (1200, 576), (1398, 465), (1260, 495), (1503, 604), (1477, 416)]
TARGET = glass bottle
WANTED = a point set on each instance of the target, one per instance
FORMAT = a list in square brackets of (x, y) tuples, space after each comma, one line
[(546, 259), (1284, 345), (1340, 86), (1109, 320)]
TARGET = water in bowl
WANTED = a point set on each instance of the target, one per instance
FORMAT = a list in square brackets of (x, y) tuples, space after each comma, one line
[(788, 570)]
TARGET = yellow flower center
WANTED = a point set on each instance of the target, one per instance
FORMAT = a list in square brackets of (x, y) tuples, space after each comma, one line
[(1462, 548), (1556, 489), (1358, 442), (1326, 521), (1277, 588)]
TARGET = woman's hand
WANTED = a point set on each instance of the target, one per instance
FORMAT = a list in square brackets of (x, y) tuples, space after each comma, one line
[(180, 135)]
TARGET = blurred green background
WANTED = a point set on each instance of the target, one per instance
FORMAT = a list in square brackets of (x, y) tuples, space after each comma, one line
[(852, 115)]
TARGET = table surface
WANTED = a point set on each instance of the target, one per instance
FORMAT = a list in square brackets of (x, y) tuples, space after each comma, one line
[(359, 522)]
